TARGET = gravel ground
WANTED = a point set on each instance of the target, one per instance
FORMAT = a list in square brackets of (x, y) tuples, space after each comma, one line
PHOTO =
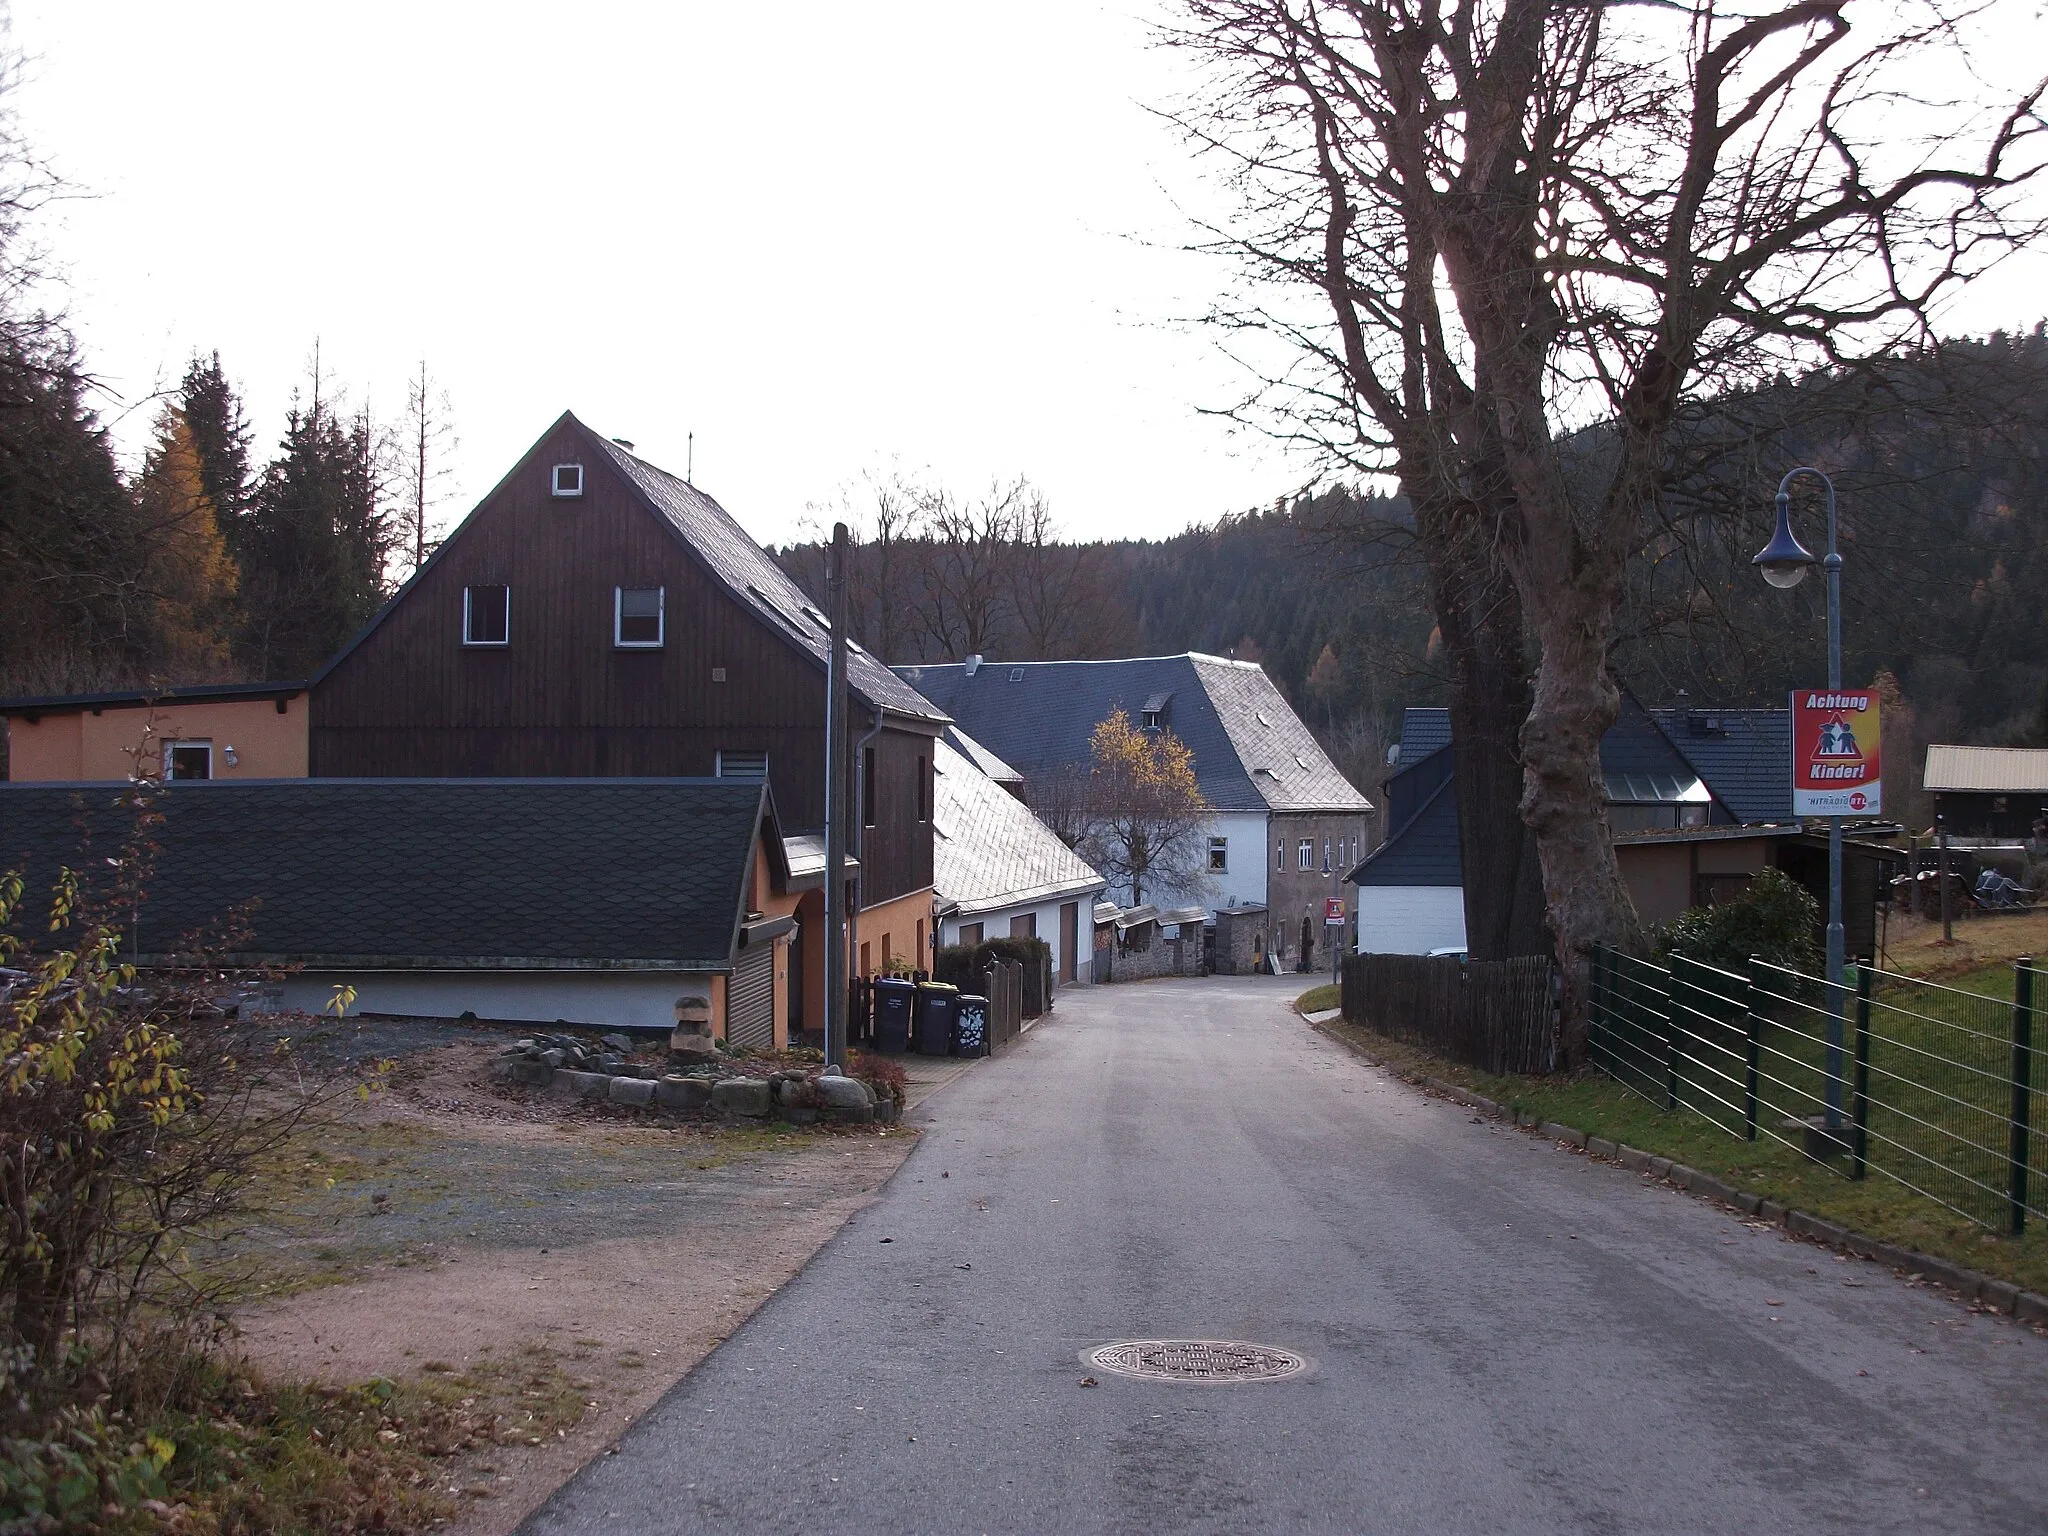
[(452, 1221)]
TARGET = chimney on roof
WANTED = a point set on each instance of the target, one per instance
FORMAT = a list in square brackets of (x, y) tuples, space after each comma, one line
[(974, 664), (625, 443)]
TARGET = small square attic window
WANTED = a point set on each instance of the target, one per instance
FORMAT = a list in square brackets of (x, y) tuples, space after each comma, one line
[(568, 480)]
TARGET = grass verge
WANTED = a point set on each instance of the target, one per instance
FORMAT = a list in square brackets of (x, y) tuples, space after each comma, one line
[(1316, 999), (1600, 1106)]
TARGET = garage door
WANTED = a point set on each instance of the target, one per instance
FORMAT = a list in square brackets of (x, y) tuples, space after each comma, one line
[(750, 1000)]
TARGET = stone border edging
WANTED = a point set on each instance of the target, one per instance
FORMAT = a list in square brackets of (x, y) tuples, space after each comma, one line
[(1970, 1285)]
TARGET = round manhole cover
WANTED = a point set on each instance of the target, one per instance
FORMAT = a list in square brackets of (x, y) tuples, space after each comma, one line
[(1197, 1360)]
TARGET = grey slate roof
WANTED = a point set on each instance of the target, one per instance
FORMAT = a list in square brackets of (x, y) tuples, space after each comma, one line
[(989, 851), (1745, 756), (1744, 759), (980, 756), (743, 568), (1424, 729), (418, 873), (1252, 753), (1424, 851)]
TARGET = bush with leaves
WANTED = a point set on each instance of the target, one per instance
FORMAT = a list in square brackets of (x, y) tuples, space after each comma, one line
[(135, 1112), (1775, 917)]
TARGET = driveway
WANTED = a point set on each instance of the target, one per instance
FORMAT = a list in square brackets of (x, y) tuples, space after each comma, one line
[(1504, 1337)]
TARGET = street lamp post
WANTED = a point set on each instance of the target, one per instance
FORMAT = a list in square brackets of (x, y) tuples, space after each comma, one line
[(1784, 562)]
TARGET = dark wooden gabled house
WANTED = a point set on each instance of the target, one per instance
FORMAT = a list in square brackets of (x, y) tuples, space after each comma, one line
[(598, 616)]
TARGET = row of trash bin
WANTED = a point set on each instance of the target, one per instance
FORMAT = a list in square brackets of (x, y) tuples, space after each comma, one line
[(932, 1018)]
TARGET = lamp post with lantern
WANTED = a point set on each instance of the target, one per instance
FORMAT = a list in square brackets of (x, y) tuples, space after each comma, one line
[(1784, 563)]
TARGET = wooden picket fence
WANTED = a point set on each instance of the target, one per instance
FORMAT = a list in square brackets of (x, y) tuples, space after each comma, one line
[(1497, 1015)]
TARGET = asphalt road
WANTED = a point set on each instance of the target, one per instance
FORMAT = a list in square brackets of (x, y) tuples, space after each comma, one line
[(1505, 1337)]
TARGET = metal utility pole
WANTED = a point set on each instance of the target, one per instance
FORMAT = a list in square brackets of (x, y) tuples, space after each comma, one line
[(835, 808)]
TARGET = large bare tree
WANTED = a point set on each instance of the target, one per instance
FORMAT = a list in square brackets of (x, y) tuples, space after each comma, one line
[(1505, 245)]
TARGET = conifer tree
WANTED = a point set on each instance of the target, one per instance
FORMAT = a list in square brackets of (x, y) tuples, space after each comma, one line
[(213, 414), (72, 611), (317, 538)]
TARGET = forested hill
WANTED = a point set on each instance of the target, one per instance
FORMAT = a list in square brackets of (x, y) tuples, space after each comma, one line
[(1940, 461)]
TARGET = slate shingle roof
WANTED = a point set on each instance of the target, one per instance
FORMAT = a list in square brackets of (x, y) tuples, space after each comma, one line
[(1424, 729), (1252, 753), (744, 569), (442, 873), (989, 851), (1424, 851), (980, 756), (1744, 760)]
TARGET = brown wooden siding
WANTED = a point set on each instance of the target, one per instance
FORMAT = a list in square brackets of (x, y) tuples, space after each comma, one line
[(559, 700), (896, 852)]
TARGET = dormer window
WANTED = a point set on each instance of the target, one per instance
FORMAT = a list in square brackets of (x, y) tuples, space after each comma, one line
[(1151, 719), (568, 480)]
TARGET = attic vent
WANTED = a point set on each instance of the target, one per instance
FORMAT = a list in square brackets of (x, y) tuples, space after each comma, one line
[(742, 765), (568, 480), (1016, 674), (1300, 761), (625, 443), (1260, 716)]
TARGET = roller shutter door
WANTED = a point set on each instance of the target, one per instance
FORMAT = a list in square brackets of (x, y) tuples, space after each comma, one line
[(750, 997)]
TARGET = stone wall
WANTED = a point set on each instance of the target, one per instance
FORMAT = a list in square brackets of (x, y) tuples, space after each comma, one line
[(1237, 930), (1160, 957)]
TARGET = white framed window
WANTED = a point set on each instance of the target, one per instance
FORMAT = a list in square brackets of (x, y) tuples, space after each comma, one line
[(1150, 719), (742, 765), (638, 618), (1280, 858), (188, 759), (1219, 855), (486, 615), (1305, 854), (567, 480)]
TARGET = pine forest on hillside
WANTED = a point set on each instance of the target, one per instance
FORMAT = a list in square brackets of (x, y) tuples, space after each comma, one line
[(1941, 463)]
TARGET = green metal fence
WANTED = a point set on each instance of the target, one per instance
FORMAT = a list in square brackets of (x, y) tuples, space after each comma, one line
[(1937, 1087)]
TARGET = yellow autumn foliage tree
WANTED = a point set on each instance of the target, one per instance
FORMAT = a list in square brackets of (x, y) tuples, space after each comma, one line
[(1145, 821), (189, 580)]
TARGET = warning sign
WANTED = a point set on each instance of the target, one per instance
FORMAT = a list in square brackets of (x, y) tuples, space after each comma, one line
[(1835, 757)]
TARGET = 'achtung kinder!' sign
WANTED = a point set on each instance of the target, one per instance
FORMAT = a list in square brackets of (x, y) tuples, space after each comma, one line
[(1835, 766)]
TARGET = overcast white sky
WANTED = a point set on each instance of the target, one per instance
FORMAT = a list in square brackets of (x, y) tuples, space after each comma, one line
[(824, 238)]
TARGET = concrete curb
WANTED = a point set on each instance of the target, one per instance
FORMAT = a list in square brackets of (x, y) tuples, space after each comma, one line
[(1973, 1286)]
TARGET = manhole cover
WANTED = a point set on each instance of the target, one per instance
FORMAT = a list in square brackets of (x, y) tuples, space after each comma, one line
[(1198, 1360)]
